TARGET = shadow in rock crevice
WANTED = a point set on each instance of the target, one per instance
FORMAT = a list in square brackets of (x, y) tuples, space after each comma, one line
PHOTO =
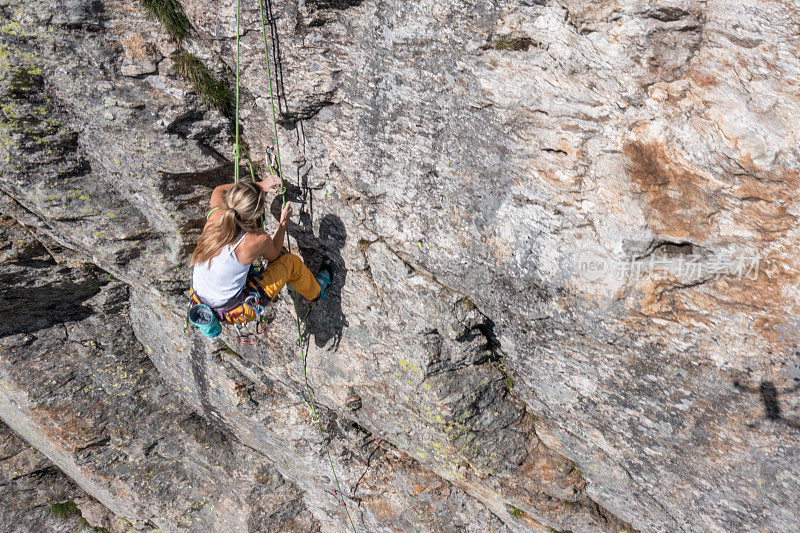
[(198, 356), (26, 307)]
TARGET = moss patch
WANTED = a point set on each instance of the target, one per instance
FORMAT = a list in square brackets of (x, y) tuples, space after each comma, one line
[(63, 509), (171, 15), (516, 44), (68, 509), (212, 91)]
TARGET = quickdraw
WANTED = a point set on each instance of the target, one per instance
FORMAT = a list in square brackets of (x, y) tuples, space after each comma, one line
[(336, 494)]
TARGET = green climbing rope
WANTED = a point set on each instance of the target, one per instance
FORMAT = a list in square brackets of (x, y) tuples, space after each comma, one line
[(237, 152)]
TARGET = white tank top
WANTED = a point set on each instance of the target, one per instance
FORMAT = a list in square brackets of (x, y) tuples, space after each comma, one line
[(220, 281)]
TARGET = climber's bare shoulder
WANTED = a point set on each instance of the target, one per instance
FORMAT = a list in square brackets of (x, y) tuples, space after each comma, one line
[(250, 248), (218, 195), (213, 217)]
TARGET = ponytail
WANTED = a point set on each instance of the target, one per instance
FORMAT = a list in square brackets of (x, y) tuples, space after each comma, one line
[(244, 203)]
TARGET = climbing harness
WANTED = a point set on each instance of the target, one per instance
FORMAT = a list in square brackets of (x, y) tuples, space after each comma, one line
[(248, 306), (253, 300)]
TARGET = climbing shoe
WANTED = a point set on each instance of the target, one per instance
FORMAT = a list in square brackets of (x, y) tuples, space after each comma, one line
[(324, 278)]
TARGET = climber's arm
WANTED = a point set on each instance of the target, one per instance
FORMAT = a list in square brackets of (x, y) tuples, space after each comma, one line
[(218, 196), (271, 248)]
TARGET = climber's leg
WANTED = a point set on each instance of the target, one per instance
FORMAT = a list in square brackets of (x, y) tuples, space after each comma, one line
[(289, 268)]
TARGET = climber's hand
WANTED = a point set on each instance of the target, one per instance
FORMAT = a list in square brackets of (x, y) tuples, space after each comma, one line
[(271, 184), (286, 213)]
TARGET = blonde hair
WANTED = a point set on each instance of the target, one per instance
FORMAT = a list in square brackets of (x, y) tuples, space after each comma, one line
[(244, 203)]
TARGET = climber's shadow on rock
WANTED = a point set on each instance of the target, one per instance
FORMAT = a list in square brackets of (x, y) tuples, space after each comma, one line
[(770, 398), (327, 321)]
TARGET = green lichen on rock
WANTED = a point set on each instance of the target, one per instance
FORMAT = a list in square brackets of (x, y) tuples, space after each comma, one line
[(23, 78), (13, 28), (515, 512), (22, 111), (28, 132)]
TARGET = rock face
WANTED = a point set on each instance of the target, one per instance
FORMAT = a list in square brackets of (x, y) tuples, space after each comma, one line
[(31, 487), (566, 291), (78, 386)]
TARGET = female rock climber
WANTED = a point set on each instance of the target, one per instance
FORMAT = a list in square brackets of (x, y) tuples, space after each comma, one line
[(223, 278)]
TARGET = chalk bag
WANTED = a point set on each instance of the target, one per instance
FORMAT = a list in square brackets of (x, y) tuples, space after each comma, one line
[(205, 320)]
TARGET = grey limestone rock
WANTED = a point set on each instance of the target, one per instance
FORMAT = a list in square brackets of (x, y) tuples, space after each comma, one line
[(493, 183)]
